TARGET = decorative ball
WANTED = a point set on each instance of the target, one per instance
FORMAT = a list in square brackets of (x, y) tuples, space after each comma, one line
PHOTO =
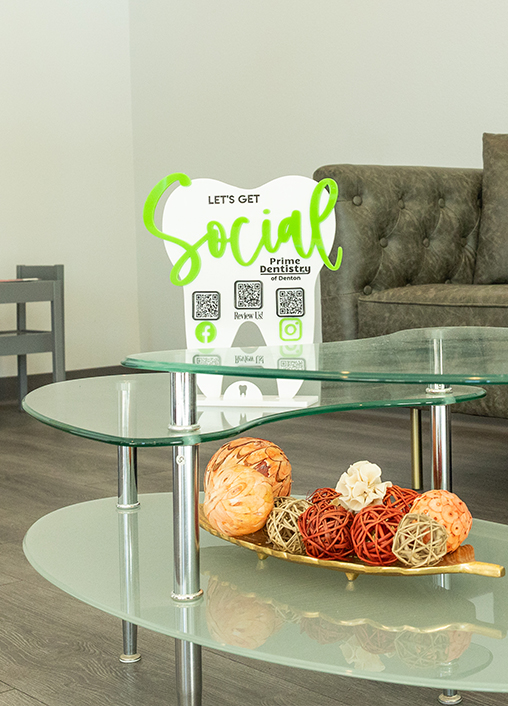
[(282, 525), (428, 649), (238, 500), (236, 619), (372, 533), (324, 631), (450, 511), (375, 640), (323, 495), (326, 531), (400, 498), (257, 454), (420, 540)]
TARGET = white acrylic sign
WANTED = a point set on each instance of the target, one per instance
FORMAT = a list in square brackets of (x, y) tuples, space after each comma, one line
[(247, 255)]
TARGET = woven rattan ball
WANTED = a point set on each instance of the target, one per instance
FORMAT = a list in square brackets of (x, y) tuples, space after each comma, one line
[(259, 455), (282, 525), (449, 510), (420, 540), (375, 640), (424, 650), (323, 495), (400, 498), (326, 531), (324, 631), (372, 533)]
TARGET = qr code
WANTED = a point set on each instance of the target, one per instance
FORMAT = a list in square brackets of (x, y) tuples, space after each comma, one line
[(205, 306), (291, 364), (248, 295), (206, 360), (290, 302)]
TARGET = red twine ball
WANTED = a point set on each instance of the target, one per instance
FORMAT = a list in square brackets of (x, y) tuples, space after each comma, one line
[(400, 498), (323, 495), (326, 531), (372, 533)]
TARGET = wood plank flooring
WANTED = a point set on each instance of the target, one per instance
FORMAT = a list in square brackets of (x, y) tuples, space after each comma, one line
[(56, 651)]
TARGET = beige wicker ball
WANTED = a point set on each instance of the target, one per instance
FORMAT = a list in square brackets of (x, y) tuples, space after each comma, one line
[(259, 455)]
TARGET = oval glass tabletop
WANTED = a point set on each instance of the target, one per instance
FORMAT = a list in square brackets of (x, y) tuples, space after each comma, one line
[(133, 410), (446, 632), (453, 355)]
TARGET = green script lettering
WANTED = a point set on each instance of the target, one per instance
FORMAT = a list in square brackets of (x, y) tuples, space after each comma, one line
[(290, 228)]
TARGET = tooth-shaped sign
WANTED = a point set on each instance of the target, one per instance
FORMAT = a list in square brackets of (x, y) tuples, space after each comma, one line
[(248, 255)]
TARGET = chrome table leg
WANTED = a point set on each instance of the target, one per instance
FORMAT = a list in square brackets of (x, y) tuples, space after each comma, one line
[(440, 424), (186, 582), (416, 448), (129, 577), (127, 500)]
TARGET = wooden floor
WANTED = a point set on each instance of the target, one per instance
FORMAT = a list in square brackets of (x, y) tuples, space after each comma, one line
[(57, 651)]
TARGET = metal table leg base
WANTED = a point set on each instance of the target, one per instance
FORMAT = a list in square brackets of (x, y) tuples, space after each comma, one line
[(449, 697), (130, 640)]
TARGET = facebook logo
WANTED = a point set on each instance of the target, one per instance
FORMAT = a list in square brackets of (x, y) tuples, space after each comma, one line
[(206, 332)]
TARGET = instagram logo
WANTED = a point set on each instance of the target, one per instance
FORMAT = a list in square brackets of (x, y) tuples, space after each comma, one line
[(290, 329)]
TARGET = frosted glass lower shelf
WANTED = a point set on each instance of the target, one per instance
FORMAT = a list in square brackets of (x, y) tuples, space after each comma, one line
[(438, 631)]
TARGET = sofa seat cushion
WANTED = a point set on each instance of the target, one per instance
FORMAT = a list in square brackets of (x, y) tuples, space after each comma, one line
[(432, 305)]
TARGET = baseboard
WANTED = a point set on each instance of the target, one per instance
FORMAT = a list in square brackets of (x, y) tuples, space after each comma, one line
[(9, 385)]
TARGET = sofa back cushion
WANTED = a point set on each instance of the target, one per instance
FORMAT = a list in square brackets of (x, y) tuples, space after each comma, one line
[(397, 226), (492, 257)]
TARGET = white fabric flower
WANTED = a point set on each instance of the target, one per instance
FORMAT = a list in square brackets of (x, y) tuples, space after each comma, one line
[(360, 486)]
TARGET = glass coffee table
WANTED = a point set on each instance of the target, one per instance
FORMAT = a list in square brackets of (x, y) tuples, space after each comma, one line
[(407, 630), (430, 358)]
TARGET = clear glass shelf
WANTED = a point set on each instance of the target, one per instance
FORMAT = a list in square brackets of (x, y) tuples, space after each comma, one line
[(133, 410), (445, 632), (454, 355)]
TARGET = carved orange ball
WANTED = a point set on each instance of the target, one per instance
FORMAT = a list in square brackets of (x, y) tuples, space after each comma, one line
[(238, 500), (450, 511), (262, 456)]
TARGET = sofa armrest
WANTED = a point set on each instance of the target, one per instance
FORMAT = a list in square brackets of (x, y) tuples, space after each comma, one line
[(397, 226)]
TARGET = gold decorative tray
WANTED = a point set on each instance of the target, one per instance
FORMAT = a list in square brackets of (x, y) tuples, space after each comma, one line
[(461, 561)]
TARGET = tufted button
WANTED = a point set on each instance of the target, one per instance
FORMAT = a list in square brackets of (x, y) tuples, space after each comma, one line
[(367, 290), (448, 281), (383, 242), (408, 284), (441, 203), (357, 200), (426, 242), (401, 204)]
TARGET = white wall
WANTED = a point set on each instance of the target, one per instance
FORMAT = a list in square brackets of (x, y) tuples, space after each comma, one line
[(66, 171), (239, 91), (248, 91)]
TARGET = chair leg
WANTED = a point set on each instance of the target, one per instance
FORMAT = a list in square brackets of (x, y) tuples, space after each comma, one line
[(22, 379), (22, 365), (57, 327)]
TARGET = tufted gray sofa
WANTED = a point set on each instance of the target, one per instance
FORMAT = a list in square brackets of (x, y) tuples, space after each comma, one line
[(423, 247)]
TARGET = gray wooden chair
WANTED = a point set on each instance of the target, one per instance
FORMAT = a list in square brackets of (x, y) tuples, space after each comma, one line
[(35, 284)]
